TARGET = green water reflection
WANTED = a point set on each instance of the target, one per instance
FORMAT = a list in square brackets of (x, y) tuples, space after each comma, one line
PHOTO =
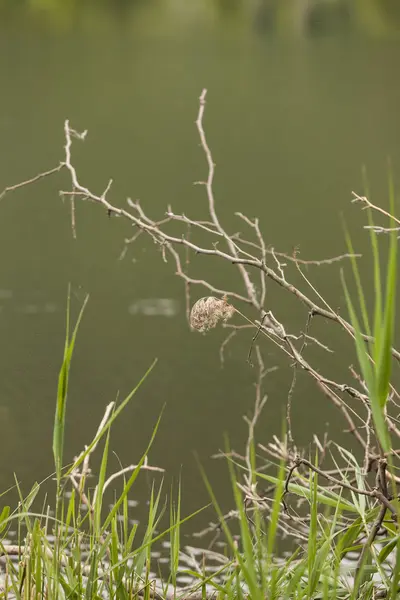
[(299, 99), (295, 17)]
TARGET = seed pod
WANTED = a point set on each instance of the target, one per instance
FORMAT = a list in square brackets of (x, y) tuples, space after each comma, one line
[(208, 311)]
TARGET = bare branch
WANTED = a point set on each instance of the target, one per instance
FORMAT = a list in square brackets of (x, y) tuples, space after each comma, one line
[(211, 201), (12, 188), (368, 204)]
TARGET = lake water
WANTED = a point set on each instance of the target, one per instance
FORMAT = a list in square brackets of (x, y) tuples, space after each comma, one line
[(298, 101)]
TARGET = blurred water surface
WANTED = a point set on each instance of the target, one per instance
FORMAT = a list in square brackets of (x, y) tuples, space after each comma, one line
[(299, 99)]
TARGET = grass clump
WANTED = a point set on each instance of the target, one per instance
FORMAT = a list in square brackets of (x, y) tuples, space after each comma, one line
[(82, 550)]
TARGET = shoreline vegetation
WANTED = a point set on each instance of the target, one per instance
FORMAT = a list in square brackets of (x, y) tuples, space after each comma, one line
[(334, 502), (299, 20)]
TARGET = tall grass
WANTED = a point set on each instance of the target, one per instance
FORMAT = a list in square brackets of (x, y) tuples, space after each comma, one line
[(375, 358), (82, 550)]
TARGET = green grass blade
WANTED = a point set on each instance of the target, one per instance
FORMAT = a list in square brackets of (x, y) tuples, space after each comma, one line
[(111, 420), (377, 273), (369, 376), (377, 290), (276, 508), (313, 534), (246, 568), (248, 563), (131, 479), (324, 496), (3, 517), (360, 291), (384, 360), (155, 539), (62, 392), (396, 573), (153, 519), (100, 486), (361, 348), (175, 517)]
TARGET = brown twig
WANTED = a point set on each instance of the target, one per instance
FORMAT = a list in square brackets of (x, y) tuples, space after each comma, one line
[(379, 494), (12, 188), (367, 204), (211, 201)]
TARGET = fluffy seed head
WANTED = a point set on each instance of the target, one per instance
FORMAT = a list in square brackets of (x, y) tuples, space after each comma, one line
[(208, 311)]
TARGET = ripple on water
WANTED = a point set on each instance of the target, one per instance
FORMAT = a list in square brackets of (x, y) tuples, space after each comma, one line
[(27, 308), (5, 294), (154, 307)]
